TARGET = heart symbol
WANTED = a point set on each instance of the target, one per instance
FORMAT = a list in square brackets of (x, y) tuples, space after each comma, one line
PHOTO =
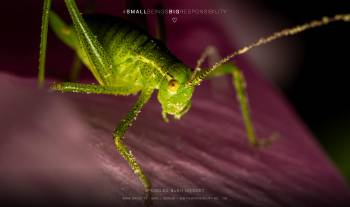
[(174, 19)]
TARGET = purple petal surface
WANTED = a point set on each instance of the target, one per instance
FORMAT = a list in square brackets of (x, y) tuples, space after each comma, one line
[(58, 147)]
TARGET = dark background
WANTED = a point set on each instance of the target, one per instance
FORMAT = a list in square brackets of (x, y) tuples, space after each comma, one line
[(320, 90)]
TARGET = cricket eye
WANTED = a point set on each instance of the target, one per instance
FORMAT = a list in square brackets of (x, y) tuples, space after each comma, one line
[(173, 85)]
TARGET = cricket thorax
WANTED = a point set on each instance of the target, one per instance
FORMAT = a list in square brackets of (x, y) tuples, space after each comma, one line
[(138, 58)]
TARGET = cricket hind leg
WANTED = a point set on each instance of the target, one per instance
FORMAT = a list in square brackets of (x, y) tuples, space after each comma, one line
[(62, 31), (102, 65), (239, 84), (77, 64), (118, 135), (67, 35), (100, 61)]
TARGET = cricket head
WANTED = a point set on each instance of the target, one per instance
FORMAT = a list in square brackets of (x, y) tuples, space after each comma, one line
[(175, 93)]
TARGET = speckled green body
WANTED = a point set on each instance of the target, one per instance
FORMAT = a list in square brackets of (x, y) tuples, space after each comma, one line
[(138, 59)]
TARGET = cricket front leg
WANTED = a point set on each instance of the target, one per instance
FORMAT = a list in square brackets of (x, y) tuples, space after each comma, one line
[(242, 97), (124, 151), (92, 89), (239, 83), (212, 54)]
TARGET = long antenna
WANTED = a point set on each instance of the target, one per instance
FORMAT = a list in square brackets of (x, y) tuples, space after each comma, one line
[(283, 33)]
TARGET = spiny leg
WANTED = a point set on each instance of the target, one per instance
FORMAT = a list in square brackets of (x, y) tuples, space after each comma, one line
[(91, 89), (211, 53), (123, 125), (43, 42), (77, 63), (100, 61), (239, 83), (124, 151)]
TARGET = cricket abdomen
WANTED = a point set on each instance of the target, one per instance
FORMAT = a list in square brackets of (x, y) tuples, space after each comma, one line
[(138, 59)]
